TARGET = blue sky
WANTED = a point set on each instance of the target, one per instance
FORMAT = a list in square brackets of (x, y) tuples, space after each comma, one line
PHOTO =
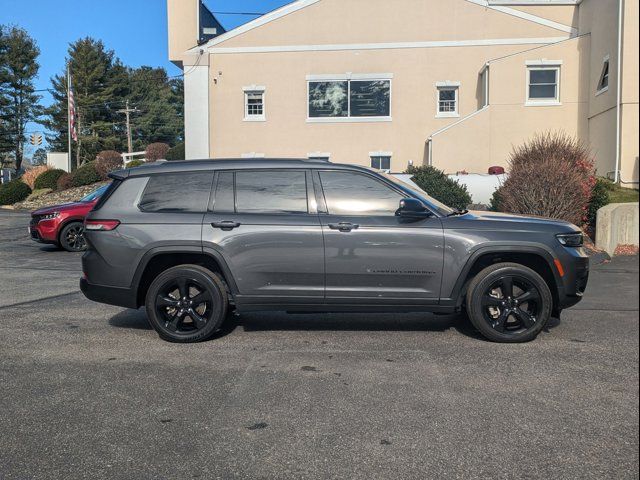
[(135, 29)]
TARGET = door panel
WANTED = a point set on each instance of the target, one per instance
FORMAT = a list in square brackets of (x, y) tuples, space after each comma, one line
[(271, 255), (380, 256)]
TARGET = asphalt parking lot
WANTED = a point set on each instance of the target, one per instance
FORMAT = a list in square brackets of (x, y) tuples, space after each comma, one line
[(90, 391)]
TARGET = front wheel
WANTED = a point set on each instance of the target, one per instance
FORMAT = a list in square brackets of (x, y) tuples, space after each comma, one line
[(509, 303), (72, 237), (187, 303)]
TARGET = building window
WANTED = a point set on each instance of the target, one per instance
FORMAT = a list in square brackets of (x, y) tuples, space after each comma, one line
[(603, 81), (543, 85), (254, 109), (319, 156), (381, 161), (358, 98), (447, 99)]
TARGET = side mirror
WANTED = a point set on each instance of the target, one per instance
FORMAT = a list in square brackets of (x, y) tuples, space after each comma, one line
[(412, 208)]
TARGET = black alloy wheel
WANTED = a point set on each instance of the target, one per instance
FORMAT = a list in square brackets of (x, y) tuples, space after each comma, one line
[(186, 303), (509, 303), (72, 237)]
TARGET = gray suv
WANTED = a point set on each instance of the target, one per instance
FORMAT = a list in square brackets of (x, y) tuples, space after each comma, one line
[(190, 240)]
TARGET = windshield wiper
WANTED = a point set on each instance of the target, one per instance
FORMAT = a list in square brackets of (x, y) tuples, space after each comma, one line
[(458, 212)]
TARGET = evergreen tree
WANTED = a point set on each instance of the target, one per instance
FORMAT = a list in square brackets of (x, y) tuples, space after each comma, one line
[(159, 100), (19, 103), (99, 83)]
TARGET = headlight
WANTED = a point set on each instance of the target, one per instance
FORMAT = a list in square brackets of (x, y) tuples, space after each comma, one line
[(49, 216), (571, 239)]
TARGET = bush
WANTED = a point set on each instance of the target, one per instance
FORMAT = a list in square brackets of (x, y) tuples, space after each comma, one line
[(135, 163), (156, 151), (48, 179), (39, 193), (85, 175), (599, 198), (494, 203), (550, 176), (108, 161), (29, 177), (436, 183), (14, 191), (64, 182), (176, 153)]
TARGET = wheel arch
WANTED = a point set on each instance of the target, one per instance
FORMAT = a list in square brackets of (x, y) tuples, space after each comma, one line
[(64, 223), (539, 259), (159, 259)]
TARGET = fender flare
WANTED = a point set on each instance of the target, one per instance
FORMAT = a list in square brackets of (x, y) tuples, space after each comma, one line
[(537, 249)]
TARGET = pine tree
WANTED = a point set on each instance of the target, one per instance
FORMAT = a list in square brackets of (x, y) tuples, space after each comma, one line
[(19, 103), (99, 82), (159, 100)]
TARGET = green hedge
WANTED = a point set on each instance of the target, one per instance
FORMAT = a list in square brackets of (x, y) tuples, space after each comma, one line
[(176, 153), (13, 192), (48, 179), (437, 184), (85, 175), (135, 163)]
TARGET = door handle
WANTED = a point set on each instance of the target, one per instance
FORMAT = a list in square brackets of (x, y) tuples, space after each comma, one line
[(226, 225), (344, 226)]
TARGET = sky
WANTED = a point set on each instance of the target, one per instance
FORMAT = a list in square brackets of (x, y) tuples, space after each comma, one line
[(135, 29)]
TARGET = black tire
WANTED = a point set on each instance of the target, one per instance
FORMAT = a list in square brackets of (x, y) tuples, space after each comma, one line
[(174, 307), (72, 237), (509, 303)]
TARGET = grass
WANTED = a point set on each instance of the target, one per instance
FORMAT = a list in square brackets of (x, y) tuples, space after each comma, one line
[(618, 194)]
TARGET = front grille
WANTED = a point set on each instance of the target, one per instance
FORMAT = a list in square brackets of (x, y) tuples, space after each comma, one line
[(35, 219)]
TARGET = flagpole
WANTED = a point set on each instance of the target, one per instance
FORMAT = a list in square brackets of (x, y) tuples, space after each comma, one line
[(69, 117)]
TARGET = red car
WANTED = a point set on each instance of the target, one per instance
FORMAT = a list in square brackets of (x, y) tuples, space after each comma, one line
[(63, 225)]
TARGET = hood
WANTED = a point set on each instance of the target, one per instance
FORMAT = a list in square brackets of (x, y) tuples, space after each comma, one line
[(62, 207), (480, 219)]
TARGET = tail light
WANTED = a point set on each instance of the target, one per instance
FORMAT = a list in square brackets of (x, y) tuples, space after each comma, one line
[(101, 225)]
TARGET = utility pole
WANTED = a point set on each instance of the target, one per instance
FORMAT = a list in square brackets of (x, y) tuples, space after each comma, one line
[(128, 111)]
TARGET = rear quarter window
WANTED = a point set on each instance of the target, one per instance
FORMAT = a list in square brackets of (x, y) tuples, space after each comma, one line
[(177, 192)]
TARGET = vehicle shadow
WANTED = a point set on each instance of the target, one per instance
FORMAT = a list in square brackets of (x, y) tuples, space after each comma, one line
[(281, 321)]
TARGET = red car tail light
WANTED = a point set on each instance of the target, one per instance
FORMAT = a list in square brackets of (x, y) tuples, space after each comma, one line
[(101, 225)]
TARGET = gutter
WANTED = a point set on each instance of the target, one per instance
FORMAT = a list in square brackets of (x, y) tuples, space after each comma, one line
[(617, 178)]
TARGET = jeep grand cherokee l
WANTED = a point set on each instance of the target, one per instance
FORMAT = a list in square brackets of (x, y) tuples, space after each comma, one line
[(188, 240)]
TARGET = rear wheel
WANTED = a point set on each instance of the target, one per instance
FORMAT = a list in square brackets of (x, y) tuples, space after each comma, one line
[(187, 303), (509, 303), (72, 237)]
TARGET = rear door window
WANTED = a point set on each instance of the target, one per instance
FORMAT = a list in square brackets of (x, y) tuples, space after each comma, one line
[(271, 191), (179, 192)]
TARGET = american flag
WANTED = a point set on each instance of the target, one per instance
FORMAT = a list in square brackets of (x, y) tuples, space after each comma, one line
[(72, 113)]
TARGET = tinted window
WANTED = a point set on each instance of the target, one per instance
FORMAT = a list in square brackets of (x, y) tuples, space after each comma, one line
[(282, 191), (328, 99), (348, 193), (180, 192), (370, 98), (224, 201)]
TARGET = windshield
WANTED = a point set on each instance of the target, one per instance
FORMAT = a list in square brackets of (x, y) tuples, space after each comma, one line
[(434, 204), (96, 194)]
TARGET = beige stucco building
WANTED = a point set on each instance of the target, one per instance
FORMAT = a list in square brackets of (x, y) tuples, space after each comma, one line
[(452, 83)]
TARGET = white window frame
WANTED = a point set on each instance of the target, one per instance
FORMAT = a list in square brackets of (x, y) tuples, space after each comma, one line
[(254, 89), (347, 78), (252, 155), (318, 155), (448, 85), (382, 154), (534, 65), (606, 61)]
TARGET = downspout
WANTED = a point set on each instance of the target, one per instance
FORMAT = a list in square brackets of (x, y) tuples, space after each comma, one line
[(619, 94)]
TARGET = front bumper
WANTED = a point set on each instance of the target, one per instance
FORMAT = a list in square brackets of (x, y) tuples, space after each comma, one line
[(576, 277), (120, 297), (43, 231)]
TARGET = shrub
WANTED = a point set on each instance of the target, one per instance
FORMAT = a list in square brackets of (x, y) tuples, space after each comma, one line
[(48, 179), (39, 193), (108, 161), (156, 151), (599, 198), (550, 176), (14, 191), (494, 203), (437, 184), (85, 175), (29, 177), (135, 163), (64, 182), (176, 153)]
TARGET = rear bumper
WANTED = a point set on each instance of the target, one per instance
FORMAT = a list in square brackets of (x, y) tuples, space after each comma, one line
[(120, 297)]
